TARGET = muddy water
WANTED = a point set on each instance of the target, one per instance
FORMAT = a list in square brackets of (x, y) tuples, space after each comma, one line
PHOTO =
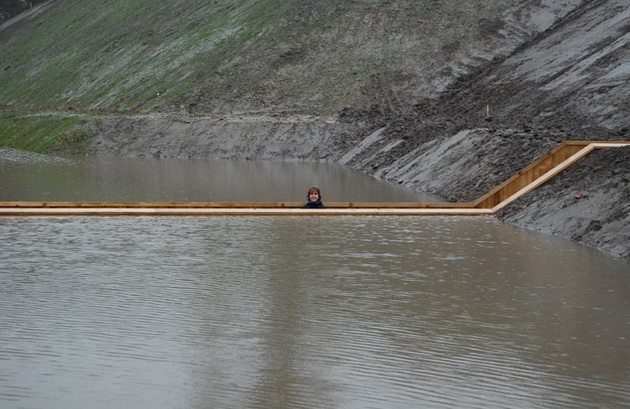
[(307, 312), (35, 177)]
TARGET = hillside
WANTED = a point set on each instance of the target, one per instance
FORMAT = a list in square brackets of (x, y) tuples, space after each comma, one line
[(446, 97), (264, 56)]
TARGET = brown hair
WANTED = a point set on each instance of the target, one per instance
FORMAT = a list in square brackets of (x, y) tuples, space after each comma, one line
[(314, 189)]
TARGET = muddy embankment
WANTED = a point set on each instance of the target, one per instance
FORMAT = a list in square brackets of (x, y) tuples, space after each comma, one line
[(570, 82), (589, 203), (226, 137)]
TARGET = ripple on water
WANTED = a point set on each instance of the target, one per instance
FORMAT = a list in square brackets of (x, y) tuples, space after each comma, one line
[(306, 312)]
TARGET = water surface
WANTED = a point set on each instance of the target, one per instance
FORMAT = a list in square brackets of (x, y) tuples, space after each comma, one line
[(42, 178), (303, 312)]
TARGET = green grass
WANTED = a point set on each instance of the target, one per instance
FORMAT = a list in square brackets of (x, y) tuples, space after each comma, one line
[(44, 133), (123, 53), (127, 56)]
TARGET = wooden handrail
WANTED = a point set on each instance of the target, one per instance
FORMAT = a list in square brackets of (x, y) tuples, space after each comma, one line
[(562, 157), (529, 174), (233, 205)]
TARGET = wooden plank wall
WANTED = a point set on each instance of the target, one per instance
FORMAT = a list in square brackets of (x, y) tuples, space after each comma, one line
[(231, 205), (543, 169), (531, 173)]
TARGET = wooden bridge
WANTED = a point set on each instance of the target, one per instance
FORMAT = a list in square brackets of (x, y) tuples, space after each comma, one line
[(545, 168)]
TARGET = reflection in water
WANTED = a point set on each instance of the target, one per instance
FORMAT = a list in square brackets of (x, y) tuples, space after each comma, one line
[(149, 179), (307, 312)]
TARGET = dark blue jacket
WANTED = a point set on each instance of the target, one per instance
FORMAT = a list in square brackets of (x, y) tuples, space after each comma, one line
[(314, 205)]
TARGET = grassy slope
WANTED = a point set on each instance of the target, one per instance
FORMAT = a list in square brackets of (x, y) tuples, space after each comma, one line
[(123, 55), (226, 55), (44, 134), (113, 56)]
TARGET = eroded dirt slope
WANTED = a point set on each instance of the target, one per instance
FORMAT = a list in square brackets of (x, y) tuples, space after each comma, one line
[(570, 82)]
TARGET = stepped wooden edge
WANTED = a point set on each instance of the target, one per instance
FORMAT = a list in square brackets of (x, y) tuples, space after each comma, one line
[(542, 170), (571, 151)]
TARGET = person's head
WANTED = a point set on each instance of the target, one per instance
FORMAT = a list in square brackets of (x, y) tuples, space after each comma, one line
[(314, 194)]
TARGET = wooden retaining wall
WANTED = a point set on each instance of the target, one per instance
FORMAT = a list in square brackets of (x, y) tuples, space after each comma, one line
[(562, 157), (540, 171)]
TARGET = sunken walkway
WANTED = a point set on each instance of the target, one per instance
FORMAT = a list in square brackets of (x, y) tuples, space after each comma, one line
[(551, 164)]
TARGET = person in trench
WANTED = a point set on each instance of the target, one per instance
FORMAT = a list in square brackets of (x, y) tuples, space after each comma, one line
[(314, 199)]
